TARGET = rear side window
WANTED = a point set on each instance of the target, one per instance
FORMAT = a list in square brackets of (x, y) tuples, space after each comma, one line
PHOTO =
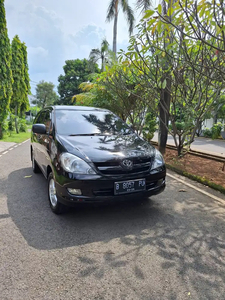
[(36, 118), (40, 119), (44, 117), (47, 121)]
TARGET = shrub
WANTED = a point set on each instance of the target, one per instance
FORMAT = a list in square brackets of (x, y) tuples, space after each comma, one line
[(11, 125), (149, 127), (5, 126), (216, 130), (29, 122), (180, 126), (207, 133), (22, 125)]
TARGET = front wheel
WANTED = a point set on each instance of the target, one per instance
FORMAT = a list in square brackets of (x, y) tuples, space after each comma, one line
[(55, 205)]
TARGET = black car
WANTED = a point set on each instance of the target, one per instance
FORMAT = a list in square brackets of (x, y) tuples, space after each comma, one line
[(90, 155)]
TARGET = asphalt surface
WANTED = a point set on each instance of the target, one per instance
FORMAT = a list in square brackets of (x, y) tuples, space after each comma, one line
[(168, 247), (215, 147)]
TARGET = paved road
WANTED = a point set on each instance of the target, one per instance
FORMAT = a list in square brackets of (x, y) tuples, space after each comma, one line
[(170, 247), (216, 147)]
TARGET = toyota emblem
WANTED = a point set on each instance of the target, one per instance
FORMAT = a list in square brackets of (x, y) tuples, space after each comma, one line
[(127, 164)]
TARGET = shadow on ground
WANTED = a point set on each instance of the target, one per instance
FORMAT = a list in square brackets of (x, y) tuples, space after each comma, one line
[(29, 209), (184, 231)]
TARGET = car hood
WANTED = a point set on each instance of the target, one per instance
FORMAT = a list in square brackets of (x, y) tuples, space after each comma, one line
[(105, 148)]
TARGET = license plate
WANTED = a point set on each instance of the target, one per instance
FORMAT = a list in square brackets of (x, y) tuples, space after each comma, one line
[(130, 186)]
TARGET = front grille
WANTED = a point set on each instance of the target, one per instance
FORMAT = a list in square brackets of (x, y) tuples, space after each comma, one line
[(115, 167), (104, 192)]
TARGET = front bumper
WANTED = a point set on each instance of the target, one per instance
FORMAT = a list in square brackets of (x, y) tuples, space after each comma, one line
[(97, 188)]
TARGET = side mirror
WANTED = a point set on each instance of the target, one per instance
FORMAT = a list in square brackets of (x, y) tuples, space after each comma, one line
[(39, 128)]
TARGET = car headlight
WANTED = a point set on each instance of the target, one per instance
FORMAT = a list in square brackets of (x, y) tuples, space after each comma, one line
[(74, 164), (158, 160)]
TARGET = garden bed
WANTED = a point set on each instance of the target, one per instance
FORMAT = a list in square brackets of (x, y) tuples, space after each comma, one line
[(204, 170)]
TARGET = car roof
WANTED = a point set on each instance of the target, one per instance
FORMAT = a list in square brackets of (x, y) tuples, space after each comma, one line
[(77, 108)]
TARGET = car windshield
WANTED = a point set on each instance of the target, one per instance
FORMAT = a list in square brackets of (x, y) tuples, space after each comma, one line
[(73, 122)]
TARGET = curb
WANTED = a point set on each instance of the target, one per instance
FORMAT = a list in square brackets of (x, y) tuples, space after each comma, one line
[(197, 153), (10, 148)]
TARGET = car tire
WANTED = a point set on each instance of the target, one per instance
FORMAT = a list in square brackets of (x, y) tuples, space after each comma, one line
[(57, 207), (35, 166)]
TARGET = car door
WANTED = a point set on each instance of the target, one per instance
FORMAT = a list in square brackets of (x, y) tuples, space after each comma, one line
[(46, 141), (37, 139)]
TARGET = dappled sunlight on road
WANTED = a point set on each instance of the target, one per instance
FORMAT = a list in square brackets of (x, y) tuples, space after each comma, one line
[(173, 237)]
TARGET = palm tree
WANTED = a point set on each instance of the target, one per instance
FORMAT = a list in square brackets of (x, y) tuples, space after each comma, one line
[(101, 53), (112, 13), (143, 5)]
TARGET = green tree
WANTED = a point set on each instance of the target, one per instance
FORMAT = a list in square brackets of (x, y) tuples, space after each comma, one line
[(100, 54), (94, 94), (149, 128), (119, 91), (19, 85), (5, 68), (45, 94), (76, 71), (34, 110), (199, 20), (188, 66), (125, 93), (112, 14), (25, 101)]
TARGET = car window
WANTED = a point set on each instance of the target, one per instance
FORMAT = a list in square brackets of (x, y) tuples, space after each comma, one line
[(47, 121), (36, 118), (72, 122), (41, 117)]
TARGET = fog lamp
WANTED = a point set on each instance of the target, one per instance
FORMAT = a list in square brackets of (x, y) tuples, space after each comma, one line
[(160, 182), (74, 191)]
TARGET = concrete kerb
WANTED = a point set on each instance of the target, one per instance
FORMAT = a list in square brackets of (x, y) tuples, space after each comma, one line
[(5, 146)]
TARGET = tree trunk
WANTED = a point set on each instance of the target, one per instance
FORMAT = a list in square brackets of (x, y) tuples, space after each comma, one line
[(16, 121), (1, 134), (115, 28), (164, 105), (179, 150), (180, 146), (102, 59), (44, 102), (199, 129), (163, 121), (215, 118)]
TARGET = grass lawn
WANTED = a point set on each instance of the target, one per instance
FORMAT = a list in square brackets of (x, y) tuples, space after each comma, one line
[(16, 138)]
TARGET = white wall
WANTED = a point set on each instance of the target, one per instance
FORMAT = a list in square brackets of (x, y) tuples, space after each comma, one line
[(208, 123)]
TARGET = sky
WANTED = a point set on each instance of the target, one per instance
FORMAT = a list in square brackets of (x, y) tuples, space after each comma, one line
[(56, 31)]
